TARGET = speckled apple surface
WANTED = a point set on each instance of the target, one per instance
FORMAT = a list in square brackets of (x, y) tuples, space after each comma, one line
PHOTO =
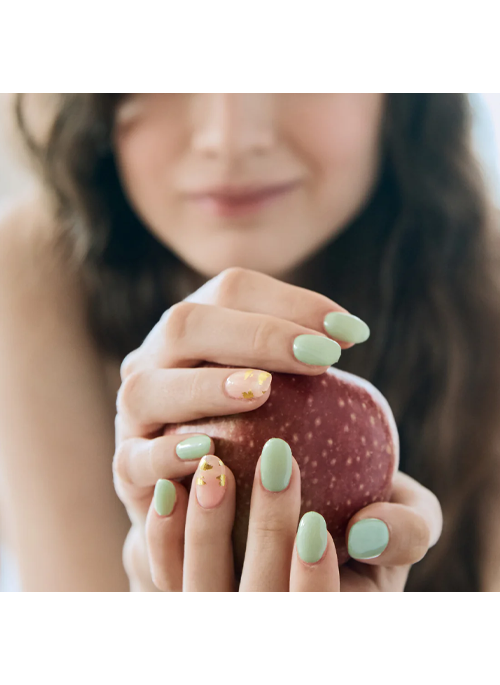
[(342, 433)]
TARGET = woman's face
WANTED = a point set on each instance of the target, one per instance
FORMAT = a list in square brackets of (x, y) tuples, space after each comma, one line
[(261, 181)]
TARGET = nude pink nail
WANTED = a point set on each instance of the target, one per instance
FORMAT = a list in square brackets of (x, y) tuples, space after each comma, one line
[(248, 384), (210, 479)]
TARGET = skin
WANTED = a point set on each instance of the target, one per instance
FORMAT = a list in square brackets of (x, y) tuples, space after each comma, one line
[(328, 143), (60, 512), (161, 379)]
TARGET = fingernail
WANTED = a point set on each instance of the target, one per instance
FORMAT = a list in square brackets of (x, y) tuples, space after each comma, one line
[(367, 539), (311, 537), (276, 465), (164, 497), (317, 350), (193, 448), (210, 479), (346, 327), (247, 384)]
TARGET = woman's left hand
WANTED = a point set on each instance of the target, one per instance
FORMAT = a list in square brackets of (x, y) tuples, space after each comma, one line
[(190, 548)]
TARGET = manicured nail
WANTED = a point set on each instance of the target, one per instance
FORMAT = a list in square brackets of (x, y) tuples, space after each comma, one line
[(367, 539), (346, 327), (164, 497), (193, 448), (311, 537), (276, 465), (247, 384), (210, 479), (317, 350)]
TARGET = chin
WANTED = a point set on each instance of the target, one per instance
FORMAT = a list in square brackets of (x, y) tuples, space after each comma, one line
[(218, 262)]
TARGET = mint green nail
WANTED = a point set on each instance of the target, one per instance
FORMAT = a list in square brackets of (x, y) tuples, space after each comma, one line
[(164, 497), (276, 465), (314, 349), (311, 537), (346, 327), (367, 539), (195, 447)]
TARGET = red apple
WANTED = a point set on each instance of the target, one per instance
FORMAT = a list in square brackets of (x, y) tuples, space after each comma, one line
[(342, 433)]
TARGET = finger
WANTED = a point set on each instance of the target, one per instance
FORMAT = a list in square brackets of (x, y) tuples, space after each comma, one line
[(408, 491), (252, 291), (314, 563), (399, 532), (149, 399), (208, 552), (135, 561), (141, 462), (274, 515), (165, 535), (359, 577), (188, 333)]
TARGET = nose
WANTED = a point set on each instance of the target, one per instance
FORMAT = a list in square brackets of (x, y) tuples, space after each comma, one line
[(228, 125)]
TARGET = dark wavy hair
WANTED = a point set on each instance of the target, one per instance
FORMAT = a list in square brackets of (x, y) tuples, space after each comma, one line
[(419, 264)]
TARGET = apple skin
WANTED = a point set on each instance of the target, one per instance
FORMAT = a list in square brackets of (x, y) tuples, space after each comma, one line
[(341, 431)]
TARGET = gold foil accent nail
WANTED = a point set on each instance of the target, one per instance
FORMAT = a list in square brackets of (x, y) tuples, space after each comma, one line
[(248, 374), (262, 376), (222, 479), (200, 481), (221, 463), (248, 395), (205, 466)]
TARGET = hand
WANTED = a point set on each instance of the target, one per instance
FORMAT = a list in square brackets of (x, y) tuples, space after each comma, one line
[(260, 318), (414, 520), (189, 535)]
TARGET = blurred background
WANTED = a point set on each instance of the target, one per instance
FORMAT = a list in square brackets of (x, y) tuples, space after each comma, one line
[(16, 181)]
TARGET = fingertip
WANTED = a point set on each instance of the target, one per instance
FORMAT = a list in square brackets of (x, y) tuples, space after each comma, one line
[(315, 564), (164, 497), (164, 533), (192, 447)]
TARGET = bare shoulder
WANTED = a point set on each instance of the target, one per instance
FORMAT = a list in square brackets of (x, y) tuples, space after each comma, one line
[(31, 259), (42, 300), (41, 289)]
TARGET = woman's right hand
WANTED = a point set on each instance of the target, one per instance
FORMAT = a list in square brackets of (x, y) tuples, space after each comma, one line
[(239, 318)]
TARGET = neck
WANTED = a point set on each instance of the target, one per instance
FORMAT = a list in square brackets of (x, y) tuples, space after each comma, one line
[(186, 280)]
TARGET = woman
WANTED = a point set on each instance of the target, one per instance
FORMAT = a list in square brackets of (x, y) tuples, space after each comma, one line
[(368, 204)]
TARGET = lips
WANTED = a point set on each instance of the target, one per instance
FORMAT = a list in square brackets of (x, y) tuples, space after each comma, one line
[(227, 201)]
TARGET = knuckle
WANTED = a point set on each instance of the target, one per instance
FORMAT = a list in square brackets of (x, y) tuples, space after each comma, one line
[(174, 321), (128, 392), (130, 554), (267, 530), (195, 388), (419, 539), (120, 462), (127, 365), (262, 339), (230, 281), (157, 456), (160, 580)]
